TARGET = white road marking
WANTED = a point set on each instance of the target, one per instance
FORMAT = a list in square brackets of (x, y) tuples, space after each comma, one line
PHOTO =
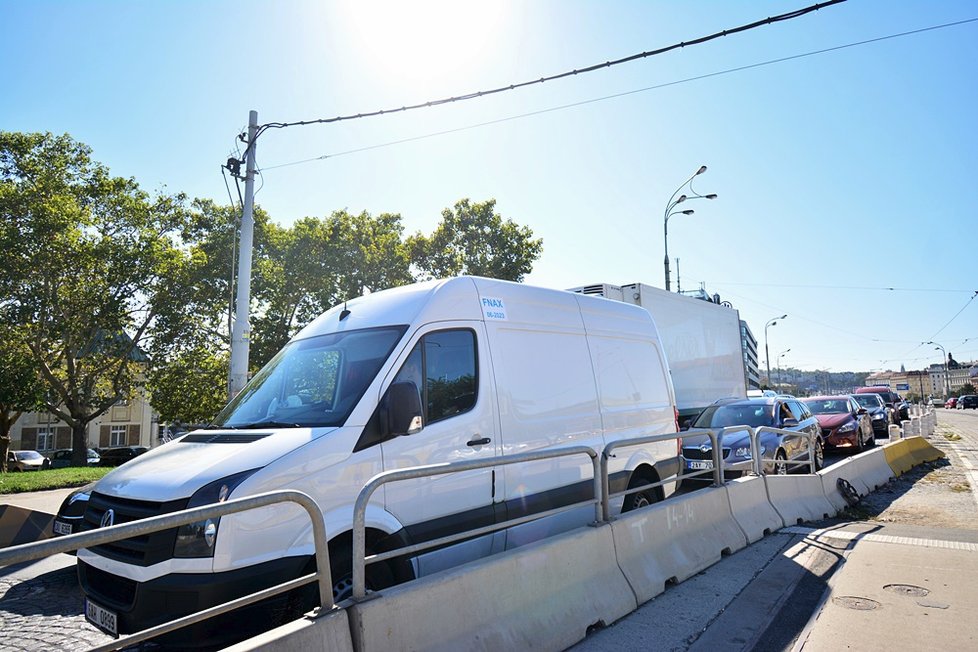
[(846, 535)]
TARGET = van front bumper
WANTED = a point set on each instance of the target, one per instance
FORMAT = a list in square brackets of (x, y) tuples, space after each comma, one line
[(139, 605)]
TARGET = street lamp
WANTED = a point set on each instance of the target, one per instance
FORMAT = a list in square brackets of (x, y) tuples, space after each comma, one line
[(781, 355), (767, 356), (947, 381), (669, 212)]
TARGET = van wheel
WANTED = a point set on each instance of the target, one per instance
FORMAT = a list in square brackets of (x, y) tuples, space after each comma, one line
[(641, 498), (379, 575)]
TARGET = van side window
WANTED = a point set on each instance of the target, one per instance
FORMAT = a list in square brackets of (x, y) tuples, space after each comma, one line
[(446, 363)]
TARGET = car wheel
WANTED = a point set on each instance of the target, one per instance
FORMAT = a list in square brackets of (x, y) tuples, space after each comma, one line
[(819, 454), (379, 575), (781, 463), (860, 447)]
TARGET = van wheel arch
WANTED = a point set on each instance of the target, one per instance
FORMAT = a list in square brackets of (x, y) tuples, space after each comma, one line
[(642, 475), (380, 575)]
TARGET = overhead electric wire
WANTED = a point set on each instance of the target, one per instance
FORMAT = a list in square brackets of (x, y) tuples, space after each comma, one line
[(594, 100), (569, 73), (967, 303)]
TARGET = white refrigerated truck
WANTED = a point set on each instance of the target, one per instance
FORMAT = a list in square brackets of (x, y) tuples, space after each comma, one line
[(701, 339)]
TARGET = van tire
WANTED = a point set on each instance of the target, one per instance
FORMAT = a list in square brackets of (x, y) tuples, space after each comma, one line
[(379, 575), (642, 498)]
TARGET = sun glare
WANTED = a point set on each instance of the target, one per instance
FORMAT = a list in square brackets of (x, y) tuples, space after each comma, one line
[(424, 45)]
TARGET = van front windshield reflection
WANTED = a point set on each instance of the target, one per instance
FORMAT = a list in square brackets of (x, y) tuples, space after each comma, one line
[(312, 382)]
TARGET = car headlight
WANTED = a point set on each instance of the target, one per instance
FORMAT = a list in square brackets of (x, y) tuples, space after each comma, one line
[(198, 539), (879, 416), (744, 451), (849, 427)]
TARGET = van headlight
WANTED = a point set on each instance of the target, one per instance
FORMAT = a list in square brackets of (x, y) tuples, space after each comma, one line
[(198, 539)]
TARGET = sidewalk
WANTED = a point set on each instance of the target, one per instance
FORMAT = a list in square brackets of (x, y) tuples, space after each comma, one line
[(904, 587), (39, 501)]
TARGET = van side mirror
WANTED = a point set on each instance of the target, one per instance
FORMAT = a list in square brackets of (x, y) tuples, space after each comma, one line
[(404, 414)]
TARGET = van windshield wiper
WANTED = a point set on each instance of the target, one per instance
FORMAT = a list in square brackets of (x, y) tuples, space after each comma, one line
[(263, 424)]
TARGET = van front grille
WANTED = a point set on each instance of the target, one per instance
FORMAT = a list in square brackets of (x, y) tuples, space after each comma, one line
[(144, 550)]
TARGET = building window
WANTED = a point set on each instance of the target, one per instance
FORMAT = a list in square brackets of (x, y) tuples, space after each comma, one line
[(45, 439), (117, 436)]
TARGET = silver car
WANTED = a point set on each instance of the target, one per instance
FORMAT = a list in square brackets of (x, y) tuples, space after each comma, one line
[(777, 449)]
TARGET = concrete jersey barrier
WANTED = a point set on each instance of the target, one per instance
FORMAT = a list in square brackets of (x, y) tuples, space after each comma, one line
[(798, 498), (19, 525), (674, 540), (751, 508)]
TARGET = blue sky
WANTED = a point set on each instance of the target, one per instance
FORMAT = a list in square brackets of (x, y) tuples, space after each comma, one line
[(839, 174)]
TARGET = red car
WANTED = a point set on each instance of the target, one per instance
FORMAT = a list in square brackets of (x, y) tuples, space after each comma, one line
[(951, 402), (843, 422)]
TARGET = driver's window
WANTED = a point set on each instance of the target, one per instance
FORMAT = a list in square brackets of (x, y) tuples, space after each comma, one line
[(443, 367)]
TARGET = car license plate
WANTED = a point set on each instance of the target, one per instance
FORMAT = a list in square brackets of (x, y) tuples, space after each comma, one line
[(699, 464), (101, 617), (60, 527)]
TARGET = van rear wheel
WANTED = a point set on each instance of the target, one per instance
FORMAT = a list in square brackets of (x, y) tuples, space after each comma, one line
[(642, 498)]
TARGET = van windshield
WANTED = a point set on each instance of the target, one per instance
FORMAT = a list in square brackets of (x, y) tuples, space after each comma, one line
[(312, 382)]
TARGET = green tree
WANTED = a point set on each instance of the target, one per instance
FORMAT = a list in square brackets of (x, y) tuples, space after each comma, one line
[(318, 263), (967, 388), (473, 239), (90, 257), (191, 386), (20, 387)]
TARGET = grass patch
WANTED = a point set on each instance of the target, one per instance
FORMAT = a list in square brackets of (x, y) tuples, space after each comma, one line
[(952, 436), (15, 483)]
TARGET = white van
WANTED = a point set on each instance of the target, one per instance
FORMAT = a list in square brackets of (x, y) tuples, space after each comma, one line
[(460, 369)]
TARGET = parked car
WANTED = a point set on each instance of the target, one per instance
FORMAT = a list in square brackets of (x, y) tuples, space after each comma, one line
[(26, 461), (776, 449), (844, 423), (951, 402), (62, 458), (120, 455), (936, 402), (70, 516), (901, 410), (968, 401), (879, 414)]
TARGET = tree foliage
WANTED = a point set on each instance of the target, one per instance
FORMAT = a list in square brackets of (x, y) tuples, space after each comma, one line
[(21, 389), (473, 239), (90, 258)]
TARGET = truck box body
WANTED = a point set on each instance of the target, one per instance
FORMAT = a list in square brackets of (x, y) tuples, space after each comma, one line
[(495, 368), (701, 340)]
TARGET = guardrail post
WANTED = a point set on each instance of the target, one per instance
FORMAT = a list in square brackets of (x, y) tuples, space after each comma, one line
[(716, 441)]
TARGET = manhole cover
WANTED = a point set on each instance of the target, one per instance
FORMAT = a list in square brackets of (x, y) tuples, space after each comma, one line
[(908, 590), (856, 602)]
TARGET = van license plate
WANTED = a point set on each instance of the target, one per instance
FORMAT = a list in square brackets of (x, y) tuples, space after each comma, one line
[(697, 465), (101, 617), (60, 527)]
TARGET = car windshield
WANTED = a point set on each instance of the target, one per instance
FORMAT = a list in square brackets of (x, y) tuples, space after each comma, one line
[(312, 382), (721, 416), (24, 456), (868, 400), (828, 406)]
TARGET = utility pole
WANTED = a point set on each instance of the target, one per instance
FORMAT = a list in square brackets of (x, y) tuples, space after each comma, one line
[(241, 333)]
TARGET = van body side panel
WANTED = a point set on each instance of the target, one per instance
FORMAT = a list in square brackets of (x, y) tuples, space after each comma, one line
[(634, 388), (547, 399)]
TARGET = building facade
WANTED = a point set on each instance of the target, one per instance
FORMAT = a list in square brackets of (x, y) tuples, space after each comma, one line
[(752, 373), (127, 423)]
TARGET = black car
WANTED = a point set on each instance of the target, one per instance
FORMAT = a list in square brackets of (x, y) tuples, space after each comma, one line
[(879, 414), (968, 401), (120, 455), (61, 458), (71, 514)]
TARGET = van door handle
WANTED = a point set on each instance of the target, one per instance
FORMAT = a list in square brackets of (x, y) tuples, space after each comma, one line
[(478, 442)]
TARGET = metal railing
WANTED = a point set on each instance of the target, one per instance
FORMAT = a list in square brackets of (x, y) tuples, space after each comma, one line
[(33, 551), (360, 508), (756, 433), (608, 453)]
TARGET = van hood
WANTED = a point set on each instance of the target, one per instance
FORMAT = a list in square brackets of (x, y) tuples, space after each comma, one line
[(178, 468)]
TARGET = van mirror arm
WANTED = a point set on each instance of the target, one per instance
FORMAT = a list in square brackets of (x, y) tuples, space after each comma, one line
[(404, 413)]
